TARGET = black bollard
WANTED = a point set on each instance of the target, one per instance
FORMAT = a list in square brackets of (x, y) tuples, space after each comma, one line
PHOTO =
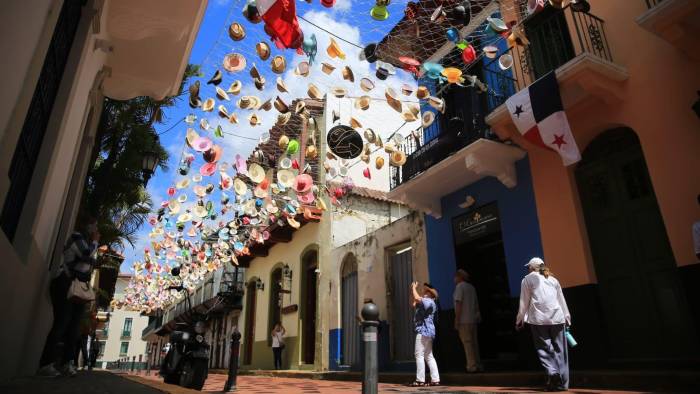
[(370, 325), (233, 362), (133, 363)]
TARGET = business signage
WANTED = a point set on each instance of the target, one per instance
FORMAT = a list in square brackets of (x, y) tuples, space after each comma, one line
[(476, 223)]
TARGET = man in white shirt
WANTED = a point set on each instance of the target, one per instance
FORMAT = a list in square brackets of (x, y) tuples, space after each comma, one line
[(467, 315), (543, 307)]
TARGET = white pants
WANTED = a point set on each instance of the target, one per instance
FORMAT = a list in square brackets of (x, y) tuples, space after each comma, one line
[(424, 353)]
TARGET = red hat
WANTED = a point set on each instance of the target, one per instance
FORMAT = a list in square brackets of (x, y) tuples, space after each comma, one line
[(328, 3), (303, 183)]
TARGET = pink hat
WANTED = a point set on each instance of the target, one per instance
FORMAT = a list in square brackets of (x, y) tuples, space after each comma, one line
[(306, 198), (202, 144), (207, 169), (303, 183), (241, 165)]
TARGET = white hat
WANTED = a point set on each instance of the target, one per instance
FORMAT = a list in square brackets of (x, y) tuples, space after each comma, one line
[(535, 262)]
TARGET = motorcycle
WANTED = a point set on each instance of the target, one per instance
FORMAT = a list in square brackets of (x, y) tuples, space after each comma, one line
[(187, 361)]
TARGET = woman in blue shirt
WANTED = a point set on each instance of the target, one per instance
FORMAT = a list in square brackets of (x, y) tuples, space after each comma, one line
[(424, 323)]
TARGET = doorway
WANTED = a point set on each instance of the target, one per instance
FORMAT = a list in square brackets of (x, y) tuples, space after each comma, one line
[(641, 294), (250, 304), (550, 41), (308, 340), (349, 312), (275, 307), (403, 336)]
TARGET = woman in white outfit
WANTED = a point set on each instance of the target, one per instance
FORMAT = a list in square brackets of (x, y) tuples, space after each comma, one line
[(278, 344), (543, 307)]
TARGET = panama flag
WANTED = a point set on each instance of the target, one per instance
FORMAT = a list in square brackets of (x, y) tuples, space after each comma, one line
[(280, 18), (539, 116)]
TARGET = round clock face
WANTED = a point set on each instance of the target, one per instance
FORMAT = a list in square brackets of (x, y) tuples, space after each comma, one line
[(345, 142)]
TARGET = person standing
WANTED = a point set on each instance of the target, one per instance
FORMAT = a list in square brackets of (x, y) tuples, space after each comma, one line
[(543, 307), (278, 343), (424, 323), (79, 258), (467, 316)]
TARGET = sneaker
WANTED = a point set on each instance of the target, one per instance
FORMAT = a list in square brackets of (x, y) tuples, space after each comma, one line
[(48, 371), (69, 370)]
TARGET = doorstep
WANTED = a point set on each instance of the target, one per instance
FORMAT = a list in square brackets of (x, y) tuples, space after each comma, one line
[(674, 380)]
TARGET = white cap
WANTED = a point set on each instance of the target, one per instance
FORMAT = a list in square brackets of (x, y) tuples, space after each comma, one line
[(535, 262)]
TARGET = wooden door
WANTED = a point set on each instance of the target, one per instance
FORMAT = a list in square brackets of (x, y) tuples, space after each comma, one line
[(351, 328), (642, 299), (309, 322), (249, 322)]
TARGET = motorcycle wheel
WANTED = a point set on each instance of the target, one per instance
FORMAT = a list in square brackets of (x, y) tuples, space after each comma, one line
[(171, 378), (194, 373)]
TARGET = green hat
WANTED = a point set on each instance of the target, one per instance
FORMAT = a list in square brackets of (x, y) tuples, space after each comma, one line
[(292, 147), (379, 12)]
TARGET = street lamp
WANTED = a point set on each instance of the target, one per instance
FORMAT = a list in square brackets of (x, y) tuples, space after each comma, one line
[(259, 284), (148, 167)]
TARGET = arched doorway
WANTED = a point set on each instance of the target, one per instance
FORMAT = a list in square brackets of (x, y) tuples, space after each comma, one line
[(642, 299), (309, 263), (250, 304), (275, 307), (349, 311)]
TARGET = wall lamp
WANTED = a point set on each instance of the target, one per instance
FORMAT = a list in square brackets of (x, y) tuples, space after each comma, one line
[(259, 285)]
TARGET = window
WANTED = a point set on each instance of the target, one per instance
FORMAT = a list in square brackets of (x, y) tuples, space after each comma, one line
[(124, 349), (36, 121), (126, 331), (101, 349)]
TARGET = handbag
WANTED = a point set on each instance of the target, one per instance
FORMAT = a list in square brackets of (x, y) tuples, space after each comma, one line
[(80, 292)]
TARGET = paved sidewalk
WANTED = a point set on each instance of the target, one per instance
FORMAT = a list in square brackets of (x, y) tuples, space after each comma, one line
[(270, 385), (93, 382)]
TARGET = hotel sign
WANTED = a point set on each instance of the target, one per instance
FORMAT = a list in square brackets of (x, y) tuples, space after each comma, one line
[(477, 223)]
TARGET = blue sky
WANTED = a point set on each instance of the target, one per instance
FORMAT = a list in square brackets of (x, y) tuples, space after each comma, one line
[(348, 19)]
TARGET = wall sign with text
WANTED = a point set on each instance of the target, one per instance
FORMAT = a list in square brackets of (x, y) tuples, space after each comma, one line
[(476, 223)]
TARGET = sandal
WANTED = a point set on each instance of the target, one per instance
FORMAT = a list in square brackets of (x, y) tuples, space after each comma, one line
[(417, 384)]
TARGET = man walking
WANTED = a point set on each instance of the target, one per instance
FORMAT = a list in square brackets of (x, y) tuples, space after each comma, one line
[(543, 307), (467, 316)]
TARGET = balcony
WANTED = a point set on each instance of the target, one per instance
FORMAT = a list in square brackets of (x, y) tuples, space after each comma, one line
[(575, 46), (126, 335), (153, 323), (675, 21)]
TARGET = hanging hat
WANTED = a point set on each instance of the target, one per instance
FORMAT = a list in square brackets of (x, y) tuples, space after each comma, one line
[(293, 223), (327, 68), (309, 46), (240, 187), (263, 189), (453, 34), (207, 169), (336, 116), (437, 103), (348, 75), (191, 137), (226, 181), (200, 191), (397, 158), (422, 92), (283, 141), (302, 183), (221, 94), (215, 79), (462, 13), (259, 83), (428, 118), (328, 3), (182, 183), (280, 105), (497, 24), (202, 144), (281, 86), (194, 89), (314, 93), (384, 70), (285, 162), (517, 37), (223, 112), (433, 70), (267, 105), (283, 118), (200, 211), (392, 99), (278, 64), (311, 152), (369, 53), (370, 135), (354, 123), (490, 51), (406, 89), (236, 31), (438, 16), (244, 102), (285, 178), (174, 207), (468, 54), (233, 118), (306, 198), (379, 12), (256, 173), (302, 69), (334, 50), (299, 107), (263, 50), (366, 84), (411, 113), (235, 87), (253, 119), (292, 147), (234, 62), (505, 61), (453, 74), (339, 92), (213, 155), (363, 102), (208, 105)]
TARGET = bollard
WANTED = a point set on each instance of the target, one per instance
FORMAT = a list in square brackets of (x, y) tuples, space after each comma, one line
[(370, 325), (133, 363), (233, 362), (139, 368)]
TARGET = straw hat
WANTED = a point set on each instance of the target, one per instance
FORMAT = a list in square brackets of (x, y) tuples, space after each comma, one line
[(191, 137), (234, 62), (221, 94), (281, 106), (259, 83), (256, 173), (183, 183), (334, 50), (370, 135), (366, 84), (235, 87), (233, 118), (354, 123), (283, 141), (379, 162), (278, 64), (236, 31), (314, 92), (223, 112), (239, 186), (267, 105), (363, 102), (348, 75), (428, 118), (254, 73), (327, 68), (253, 119), (285, 178), (299, 107), (397, 158), (392, 99), (263, 50), (505, 61), (208, 105), (437, 103), (490, 51), (422, 92), (302, 69), (339, 92), (281, 86), (406, 89), (283, 118)]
